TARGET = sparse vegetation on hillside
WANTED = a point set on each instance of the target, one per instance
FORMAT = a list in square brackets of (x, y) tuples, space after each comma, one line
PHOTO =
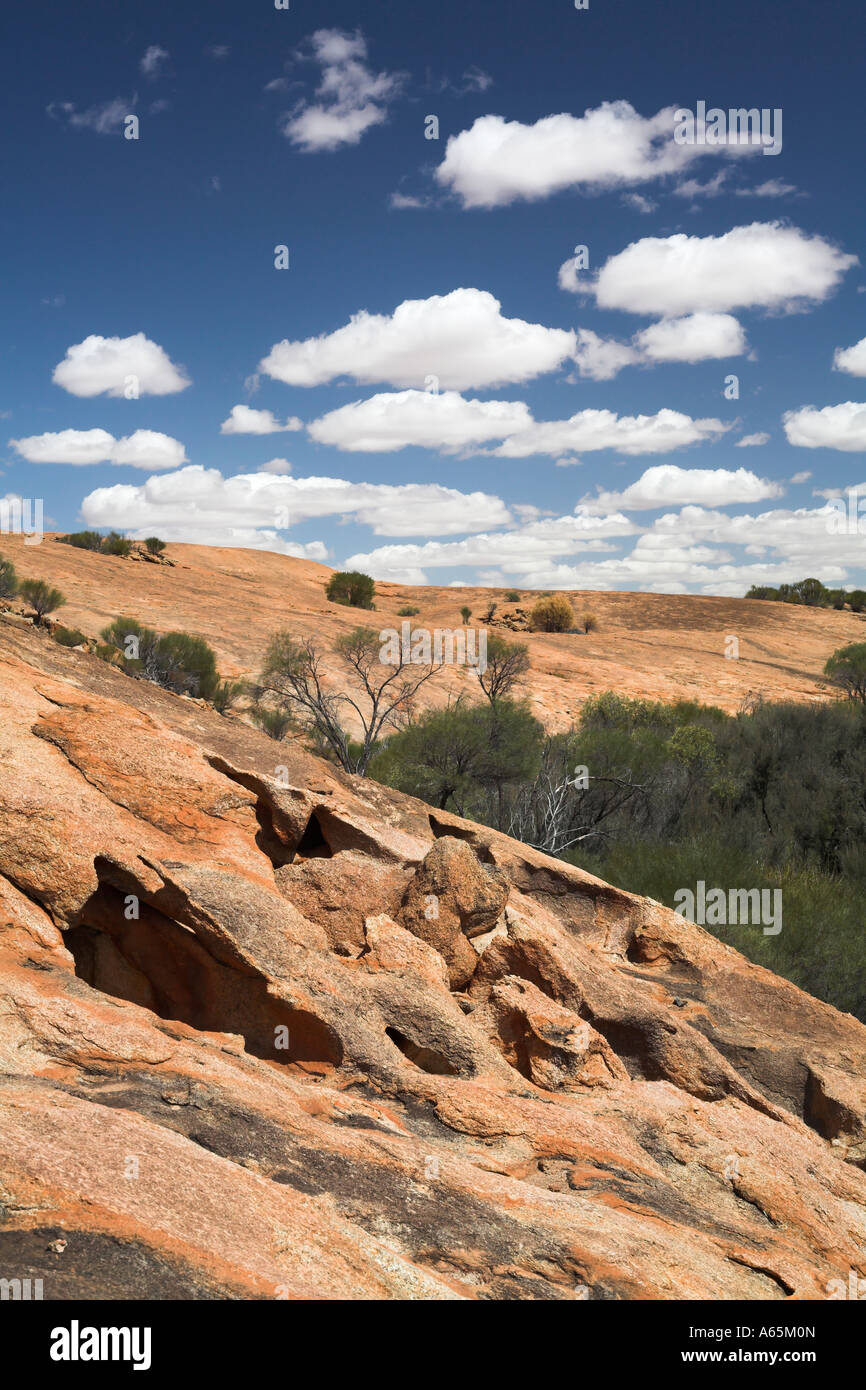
[(83, 540), (41, 597), (351, 588), (177, 661), (8, 579), (846, 669), (68, 636), (554, 614), (408, 611)]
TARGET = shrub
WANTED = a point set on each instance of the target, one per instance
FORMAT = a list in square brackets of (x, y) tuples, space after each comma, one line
[(115, 544), (553, 614), (512, 596), (83, 540), (351, 588), (8, 579), (186, 665), (857, 600), (69, 636), (154, 545), (491, 609), (846, 668), (135, 643), (408, 611), (226, 694), (41, 597), (276, 723), (590, 622), (466, 614)]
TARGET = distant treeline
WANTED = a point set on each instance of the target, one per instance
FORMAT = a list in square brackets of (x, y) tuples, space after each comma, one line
[(813, 594)]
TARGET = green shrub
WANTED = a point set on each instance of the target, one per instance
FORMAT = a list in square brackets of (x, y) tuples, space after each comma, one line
[(351, 588), (83, 540), (408, 611), (846, 668), (466, 614), (590, 622), (68, 636), (135, 643), (186, 665), (512, 596), (8, 579), (154, 545), (41, 598), (226, 694), (554, 614), (115, 544), (276, 723)]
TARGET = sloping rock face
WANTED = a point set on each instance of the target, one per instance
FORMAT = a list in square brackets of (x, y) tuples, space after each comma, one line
[(269, 1032)]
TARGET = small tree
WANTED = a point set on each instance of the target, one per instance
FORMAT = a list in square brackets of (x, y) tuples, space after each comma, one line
[(351, 588), (41, 597), (8, 579), (382, 696), (553, 614), (154, 545), (590, 622), (507, 662), (491, 610), (846, 668), (466, 614)]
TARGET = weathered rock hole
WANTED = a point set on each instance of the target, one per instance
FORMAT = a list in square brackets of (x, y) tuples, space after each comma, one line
[(154, 962), (427, 1058), (312, 844), (457, 832)]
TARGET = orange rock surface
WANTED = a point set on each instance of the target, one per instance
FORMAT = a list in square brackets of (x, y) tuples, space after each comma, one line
[(239, 1062)]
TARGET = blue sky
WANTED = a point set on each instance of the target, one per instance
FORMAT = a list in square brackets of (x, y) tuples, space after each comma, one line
[(465, 402)]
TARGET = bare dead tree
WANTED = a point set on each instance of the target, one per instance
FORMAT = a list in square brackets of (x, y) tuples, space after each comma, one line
[(381, 693), (558, 811)]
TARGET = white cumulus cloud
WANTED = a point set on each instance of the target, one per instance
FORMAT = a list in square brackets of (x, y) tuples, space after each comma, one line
[(590, 430), (118, 367), (834, 427), (392, 421), (496, 161), (764, 265), (852, 359), (244, 420), (199, 504), (143, 449), (462, 339), (667, 485)]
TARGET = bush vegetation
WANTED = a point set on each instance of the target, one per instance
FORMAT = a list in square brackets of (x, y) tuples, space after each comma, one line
[(351, 588), (41, 598), (8, 579), (554, 614), (654, 797)]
